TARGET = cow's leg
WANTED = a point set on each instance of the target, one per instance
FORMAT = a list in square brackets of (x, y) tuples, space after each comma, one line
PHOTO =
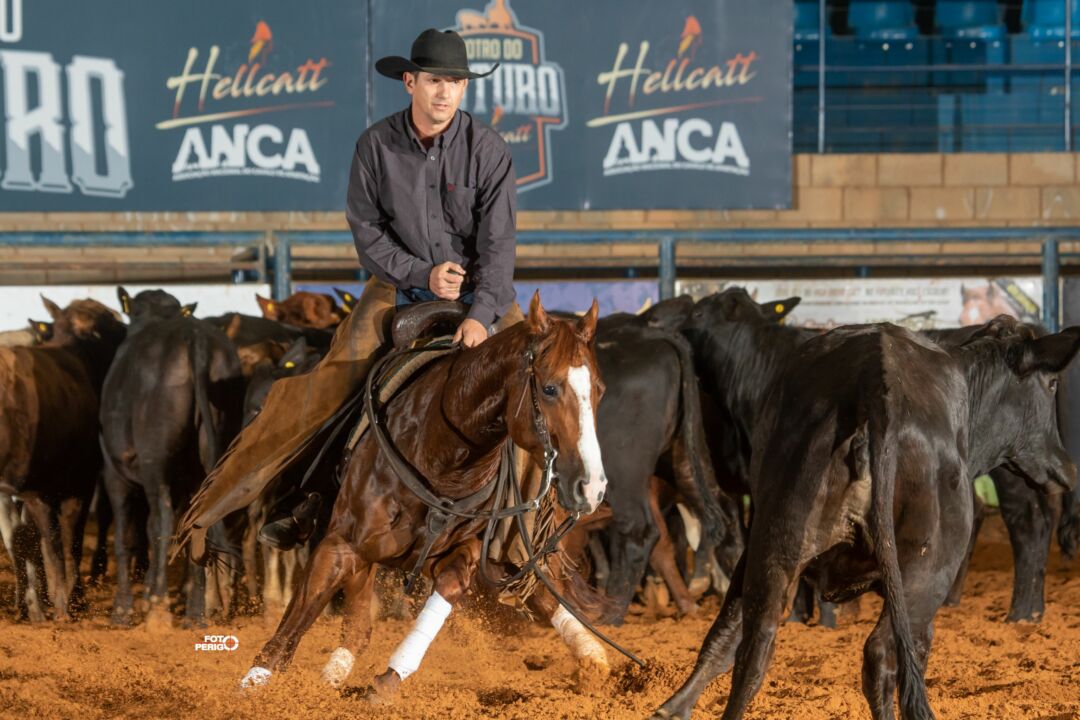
[(160, 530), (120, 495), (1029, 517), (957, 589), (52, 550), (717, 651), (452, 577), (662, 557), (771, 579), (601, 567), (23, 543), (251, 555), (103, 517), (331, 564), (73, 513), (273, 598), (195, 603), (632, 536), (355, 627)]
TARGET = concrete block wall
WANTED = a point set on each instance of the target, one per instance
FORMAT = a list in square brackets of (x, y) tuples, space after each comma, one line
[(829, 191)]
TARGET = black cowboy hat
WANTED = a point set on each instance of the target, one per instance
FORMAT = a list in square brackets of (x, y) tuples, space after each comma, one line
[(438, 53)]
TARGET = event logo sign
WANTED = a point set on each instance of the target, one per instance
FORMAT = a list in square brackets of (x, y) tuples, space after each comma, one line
[(42, 100), (525, 98), (652, 102), (209, 95)]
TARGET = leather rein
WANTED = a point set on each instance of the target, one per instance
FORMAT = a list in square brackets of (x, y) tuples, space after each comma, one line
[(475, 506)]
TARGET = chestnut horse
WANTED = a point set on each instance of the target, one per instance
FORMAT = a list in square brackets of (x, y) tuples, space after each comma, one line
[(451, 424)]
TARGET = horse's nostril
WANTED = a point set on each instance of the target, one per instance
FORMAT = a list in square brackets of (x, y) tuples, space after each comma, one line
[(600, 497)]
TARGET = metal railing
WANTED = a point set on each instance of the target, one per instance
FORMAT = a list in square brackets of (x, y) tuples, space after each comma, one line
[(278, 247)]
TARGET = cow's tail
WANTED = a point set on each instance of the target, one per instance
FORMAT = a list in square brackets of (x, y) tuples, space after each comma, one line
[(700, 490), (914, 704), (1068, 531), (204, 420)]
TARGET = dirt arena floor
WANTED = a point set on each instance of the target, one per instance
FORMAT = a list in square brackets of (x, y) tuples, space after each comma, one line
[(980, 668)]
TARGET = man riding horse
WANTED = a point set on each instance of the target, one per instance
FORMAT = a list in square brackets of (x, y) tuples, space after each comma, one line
[(432, 205)]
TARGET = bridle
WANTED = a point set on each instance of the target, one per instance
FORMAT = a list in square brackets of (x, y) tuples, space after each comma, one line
[(475, 506)]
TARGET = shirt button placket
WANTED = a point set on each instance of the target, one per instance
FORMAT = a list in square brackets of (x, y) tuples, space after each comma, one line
[(434, 203)]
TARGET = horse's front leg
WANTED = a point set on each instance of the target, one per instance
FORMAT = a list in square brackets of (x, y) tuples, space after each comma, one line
[(593, 668), (452, 574)]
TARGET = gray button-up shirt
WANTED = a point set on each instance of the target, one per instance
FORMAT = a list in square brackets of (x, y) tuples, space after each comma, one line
[(411, 209)]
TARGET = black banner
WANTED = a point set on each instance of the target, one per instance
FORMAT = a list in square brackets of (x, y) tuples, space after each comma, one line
[(196, 105), (135, 105), (616, 105)]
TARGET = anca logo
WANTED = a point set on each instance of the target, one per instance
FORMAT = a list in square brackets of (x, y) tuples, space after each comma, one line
[(525, 98), (205, 95), (660, 113)]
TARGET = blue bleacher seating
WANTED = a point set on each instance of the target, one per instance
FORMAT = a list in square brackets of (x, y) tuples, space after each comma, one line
[(806, 21), (1045, 19), (882, 19), (969, 19)]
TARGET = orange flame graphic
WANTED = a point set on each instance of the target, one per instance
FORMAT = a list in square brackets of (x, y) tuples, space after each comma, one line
[(261, 41), (691, 34), (496, 115)]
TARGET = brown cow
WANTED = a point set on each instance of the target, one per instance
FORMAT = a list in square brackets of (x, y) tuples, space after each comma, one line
[(49, 452), (305, 309)]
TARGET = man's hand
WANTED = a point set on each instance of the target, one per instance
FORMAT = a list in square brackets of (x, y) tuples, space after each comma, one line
[(445, 280), (471, 333)]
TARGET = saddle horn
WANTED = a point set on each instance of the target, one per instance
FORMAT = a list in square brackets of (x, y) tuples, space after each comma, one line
[(420, 319)]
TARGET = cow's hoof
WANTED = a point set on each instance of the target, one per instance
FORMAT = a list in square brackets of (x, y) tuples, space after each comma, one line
[(255, 677), (121, 618)]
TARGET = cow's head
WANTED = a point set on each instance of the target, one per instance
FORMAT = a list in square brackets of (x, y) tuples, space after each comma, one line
[(669, 314), (1020, 403), (151, 306), (85, 321), (561, 361)]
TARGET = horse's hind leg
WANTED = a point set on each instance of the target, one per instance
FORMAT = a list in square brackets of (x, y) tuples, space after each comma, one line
[(355, 628), (452, 577), (332, 562)]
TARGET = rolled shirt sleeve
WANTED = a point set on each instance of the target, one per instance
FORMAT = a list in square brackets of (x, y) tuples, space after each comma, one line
[(377, 249), (496, 238)]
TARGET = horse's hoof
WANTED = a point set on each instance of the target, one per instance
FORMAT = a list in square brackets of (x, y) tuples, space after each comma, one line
[(255, 677), (337, 668)]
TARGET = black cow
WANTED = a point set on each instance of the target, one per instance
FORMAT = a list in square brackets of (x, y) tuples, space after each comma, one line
[(170, 405), (49, 455), (650, 412), (862, 462), (740, 353)]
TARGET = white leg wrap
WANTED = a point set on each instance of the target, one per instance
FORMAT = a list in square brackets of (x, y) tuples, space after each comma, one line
[(406, 659), (338, 667), (256, 676), (582, 643)]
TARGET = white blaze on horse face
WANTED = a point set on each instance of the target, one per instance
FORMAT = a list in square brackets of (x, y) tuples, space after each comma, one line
[(588, 445)]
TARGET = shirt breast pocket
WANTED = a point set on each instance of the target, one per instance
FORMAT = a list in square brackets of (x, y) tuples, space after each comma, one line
[(459, 210)]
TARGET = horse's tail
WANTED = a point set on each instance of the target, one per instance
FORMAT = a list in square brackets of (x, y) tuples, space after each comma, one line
[(1068, 531), (914, 704), (594, 604), (700, 489)]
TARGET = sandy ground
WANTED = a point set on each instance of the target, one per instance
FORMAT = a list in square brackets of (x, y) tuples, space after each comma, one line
[(980, 667)]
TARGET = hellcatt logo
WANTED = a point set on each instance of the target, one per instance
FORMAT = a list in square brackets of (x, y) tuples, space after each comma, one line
[(206, 99), (663, 116), (525, 99)]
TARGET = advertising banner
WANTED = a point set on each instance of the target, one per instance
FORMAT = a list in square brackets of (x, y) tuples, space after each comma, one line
[(609, 105), (200, 105)]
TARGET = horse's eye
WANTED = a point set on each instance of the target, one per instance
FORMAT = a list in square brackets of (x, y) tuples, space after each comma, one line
[(551, 390)]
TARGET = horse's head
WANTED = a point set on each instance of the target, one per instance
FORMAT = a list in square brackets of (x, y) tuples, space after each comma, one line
[(560, 365)]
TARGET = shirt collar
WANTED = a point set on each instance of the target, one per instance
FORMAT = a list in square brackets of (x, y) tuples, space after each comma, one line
[(443, 141)]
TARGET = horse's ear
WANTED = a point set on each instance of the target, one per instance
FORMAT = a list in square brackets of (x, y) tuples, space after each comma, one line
[(586, 326), (268, 307), (54, 310), (539, 322)]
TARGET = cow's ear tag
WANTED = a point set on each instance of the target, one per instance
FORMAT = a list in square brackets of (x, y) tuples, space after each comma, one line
[(779, 308), (290, 364)]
